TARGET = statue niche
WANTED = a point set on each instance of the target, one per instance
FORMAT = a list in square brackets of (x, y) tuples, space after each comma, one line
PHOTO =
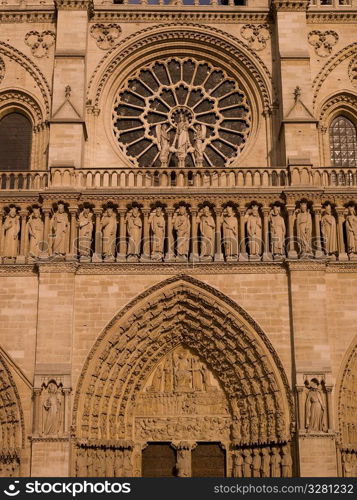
[(182, 400)]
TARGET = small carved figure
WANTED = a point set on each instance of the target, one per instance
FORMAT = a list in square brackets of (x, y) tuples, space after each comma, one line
[(237, 464), (183, 464), (199, 146), (182, 227), (286, 462), (314, 408), (52, 407), (11, 234), (275, 462), (277, 231), (35, 232), (328, 231), (157, 224), (109, 231), (351, 230), (182, 140), (347, 465), (254, 229), (230, 233), (163, 137), (247, 466), (85, 223), (256, 463), (59, 230), (197, 375), (183, 373), (157, 380), (134, 228), (207, 228), (304, 228), (265, 463)]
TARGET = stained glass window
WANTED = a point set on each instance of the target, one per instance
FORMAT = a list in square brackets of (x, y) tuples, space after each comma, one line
[(343, 143)]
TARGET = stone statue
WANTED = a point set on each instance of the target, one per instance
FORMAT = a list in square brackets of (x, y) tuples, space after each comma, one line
[(183, 373), (199, 146), (256, 463), (265, 463), (182, 140), (163, 143), (157, 380), (11, 234), (347, 465), (157, 224), (314, 408), (85, 223), (277, 231), (328, 231), (275, 462), (247, 465), (109, 232), (183, 463), (134, 228), (351, 230), (304, 228), (254, 229), (182, 227), (237, 464), (230, 234), (59, 230), (286, 462), (81, 464), (197, 375), (52, 407), (207, 228), (127, 463), (35, 232)]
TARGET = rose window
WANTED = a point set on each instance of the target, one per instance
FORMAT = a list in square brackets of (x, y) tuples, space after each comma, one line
[(181, 113)]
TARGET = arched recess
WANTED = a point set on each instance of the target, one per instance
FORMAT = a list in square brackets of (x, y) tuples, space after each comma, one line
[(189, 40), (346, 390), (179, 313), (11, 423)]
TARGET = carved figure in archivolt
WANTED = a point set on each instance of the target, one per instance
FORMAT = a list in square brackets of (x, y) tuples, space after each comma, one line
[(182, 226), (254, 229), (351, 229), (11, 233), (157, 224), (52, 409), (277, 231), (134, 229), (207, 228), (314, 408), (199, 144), (304, 228), (35, 232), (109, 231), (230, 233), (163, 142), (85, 223), (59, 230), (328, 231)]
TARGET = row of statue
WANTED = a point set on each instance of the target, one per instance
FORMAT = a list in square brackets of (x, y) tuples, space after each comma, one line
[(215, 236), (274, 461), (104, 462)]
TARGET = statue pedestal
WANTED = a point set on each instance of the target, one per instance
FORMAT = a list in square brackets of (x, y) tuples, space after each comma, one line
[(319, 254), (267, 257), (292, 254), (145, 258), (342, 257), (121, 257), (352, 256), (20, 259), (243, 257), (193, 258), (317, 453), (218, 257), (97, 258), (255, 258)]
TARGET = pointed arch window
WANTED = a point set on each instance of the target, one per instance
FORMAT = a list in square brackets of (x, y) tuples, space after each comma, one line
[(343, 143), (15, 142)]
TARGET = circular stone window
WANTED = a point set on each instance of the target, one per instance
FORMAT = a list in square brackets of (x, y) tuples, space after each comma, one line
[(181, 113)]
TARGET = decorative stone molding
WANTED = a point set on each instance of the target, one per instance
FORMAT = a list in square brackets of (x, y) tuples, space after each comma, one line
[(346, 401), (2, 69), (290, 5), (106, 35), (74, 4), (17, 97), (256, 35), (352, 71), (40, 42), (39, 16), (341, 101), (323, 41), (330, 17)]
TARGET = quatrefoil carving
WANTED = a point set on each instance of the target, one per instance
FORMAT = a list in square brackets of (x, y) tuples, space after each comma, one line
[(106, 35), (323, 41), (256, 35), (40, 42)]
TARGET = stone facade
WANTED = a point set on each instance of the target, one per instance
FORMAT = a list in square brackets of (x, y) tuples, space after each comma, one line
[(179, 261)]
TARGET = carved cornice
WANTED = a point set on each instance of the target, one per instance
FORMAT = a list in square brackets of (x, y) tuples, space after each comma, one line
[(306, 265), (317, 435), (49, 439), (290, 5), (17, 270), (74, 4), (331, 17), (29, 15)]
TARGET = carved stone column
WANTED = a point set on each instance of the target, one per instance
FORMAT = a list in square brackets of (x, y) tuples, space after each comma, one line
[(1, 233), (73, 235), (194, 241), (292, 253), (342, 255), (97, 257), (317, 221), (169, 257), (243, 256), (21, 258), (36, 425), (300, 406), (46, 244), (267, 256), (145, 257), (183, 457), (218, 256), (121, 257)]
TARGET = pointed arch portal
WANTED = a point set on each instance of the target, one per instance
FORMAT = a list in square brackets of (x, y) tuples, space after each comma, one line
[(182, 364)]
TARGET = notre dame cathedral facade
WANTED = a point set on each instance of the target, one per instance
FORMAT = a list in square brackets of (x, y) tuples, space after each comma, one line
[(178, 238)]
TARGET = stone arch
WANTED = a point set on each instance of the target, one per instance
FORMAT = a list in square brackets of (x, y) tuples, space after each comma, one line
[(12, 436), (183, 311), (346, 412)]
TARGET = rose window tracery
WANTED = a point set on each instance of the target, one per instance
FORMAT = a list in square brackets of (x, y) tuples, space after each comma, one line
[(181, 113)]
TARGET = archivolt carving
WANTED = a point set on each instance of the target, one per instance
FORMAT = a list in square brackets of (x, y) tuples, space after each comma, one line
[(2, 69), (182, 311), (16, 97), (11, 424), (347, 404), (330, 65), (352, 71), (32, 69), (212, 37)]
